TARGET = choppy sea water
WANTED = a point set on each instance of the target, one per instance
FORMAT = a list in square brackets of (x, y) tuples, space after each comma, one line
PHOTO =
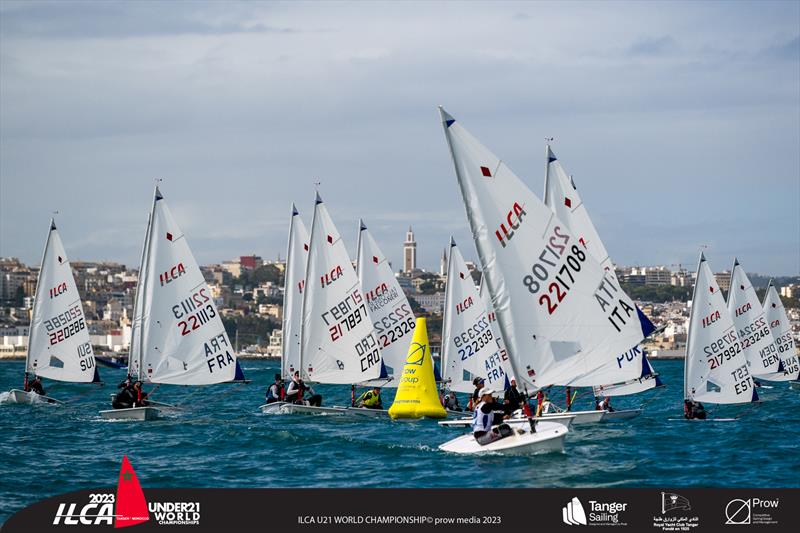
[(221, 440)]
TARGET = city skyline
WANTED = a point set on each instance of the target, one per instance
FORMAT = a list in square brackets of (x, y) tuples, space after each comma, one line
[(677, 138)]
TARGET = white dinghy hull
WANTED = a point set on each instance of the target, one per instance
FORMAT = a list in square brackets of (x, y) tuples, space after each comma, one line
[(549, 437), (617, 416), (371, 413), (20, 396), (581, 417), (284, 408), (565, 420), (133, 413)]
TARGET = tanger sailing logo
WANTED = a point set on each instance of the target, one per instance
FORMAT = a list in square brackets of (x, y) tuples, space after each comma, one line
[(573, 513), (127, 508), (671, 502)]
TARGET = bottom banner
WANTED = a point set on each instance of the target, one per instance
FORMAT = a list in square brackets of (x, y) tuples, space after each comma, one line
[(418, 510)]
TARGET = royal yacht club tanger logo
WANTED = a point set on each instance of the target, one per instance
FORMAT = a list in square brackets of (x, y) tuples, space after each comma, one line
[(127, 508), (600, 513), (671, 502)]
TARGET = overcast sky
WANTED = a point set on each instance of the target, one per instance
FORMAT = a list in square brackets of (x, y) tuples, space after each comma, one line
[(680, 121)]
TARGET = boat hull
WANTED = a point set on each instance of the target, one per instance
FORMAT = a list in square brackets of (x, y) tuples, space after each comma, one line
[(581, 417), (20, 396), (370, 413), (624, 414), (549, 437), (565, 420), (140, 414), (284, 408)]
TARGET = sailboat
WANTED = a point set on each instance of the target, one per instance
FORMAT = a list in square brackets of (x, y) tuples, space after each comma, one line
[(749, 317), (387, 304), (293, 283), (781, 330), (177, 337), (560, 314), (469, 344), (338, 345), (715, 369), (561, 195), (58, 343)]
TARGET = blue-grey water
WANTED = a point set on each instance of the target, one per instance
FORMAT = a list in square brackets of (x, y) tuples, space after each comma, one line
[(221, 440)]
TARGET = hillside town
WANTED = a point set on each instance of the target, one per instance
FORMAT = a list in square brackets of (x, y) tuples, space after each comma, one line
[(248, 290)]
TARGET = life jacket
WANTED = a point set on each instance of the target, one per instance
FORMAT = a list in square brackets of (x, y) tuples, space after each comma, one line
[(481, 421), (274, 392), (370, 400)]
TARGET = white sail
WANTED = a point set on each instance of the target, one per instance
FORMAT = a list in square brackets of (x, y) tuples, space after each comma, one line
[(469, 346), (560, 314), (338, 343), (502, 353), (58, 347), (294, 281), (782, 333), (715, 368), (388, 306), (751, 324), (134, 350), (183, 338), (561, 195), (649, 380)]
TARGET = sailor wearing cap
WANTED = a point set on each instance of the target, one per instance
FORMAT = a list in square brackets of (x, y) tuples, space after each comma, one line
[(482, 419)]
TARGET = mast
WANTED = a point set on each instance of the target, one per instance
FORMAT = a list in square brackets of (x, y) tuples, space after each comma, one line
[(686, 361), (448, 296), (447, 120), (136, 299), (317, 201), (35, 306), (144, 275), (286, 290), (548, 158), (361, 227)]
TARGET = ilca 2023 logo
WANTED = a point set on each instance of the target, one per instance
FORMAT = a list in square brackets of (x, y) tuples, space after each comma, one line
[(127, 508), (600, 513)]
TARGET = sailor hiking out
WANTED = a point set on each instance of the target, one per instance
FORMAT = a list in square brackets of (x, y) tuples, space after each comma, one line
[(483, 418)]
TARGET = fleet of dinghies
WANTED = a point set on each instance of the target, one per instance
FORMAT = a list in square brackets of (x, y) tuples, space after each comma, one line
[(550, 311)]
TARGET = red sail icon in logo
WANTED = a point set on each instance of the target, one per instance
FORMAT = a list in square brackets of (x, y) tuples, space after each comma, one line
[(131, 505)]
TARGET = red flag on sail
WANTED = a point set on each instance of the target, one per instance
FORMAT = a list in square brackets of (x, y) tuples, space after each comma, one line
[(131, 505)]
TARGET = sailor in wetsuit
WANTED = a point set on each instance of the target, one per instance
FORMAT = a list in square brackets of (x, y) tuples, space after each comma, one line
[(296, 392), (693, 410), (35, 386), (275, 391), (125, 397), (483, 417)]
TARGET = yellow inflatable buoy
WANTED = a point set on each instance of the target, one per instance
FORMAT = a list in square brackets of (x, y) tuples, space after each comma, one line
[(416, 394)]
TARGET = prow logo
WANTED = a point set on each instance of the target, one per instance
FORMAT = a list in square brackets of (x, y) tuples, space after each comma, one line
[(671, 502), (416, 354), (131, 505), (573, 513)]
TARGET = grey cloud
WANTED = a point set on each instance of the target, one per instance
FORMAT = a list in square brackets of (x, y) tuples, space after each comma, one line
[(653, 46)]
